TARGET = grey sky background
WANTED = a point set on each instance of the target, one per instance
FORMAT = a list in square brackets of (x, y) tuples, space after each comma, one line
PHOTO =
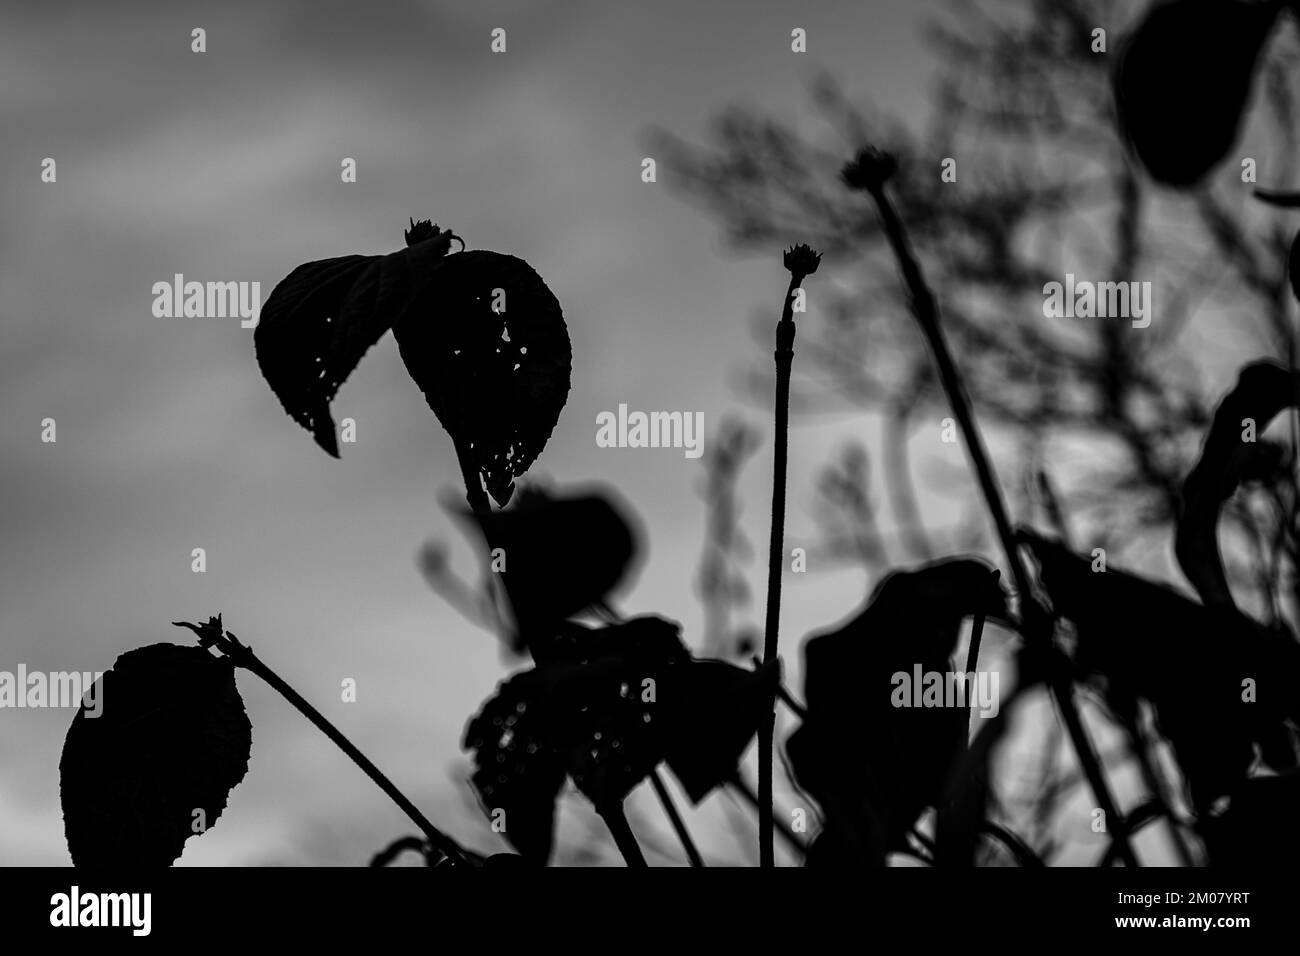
[(225, 166)]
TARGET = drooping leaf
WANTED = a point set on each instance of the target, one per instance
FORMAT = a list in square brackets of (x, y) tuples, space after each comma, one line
[(1183, 79), (1143, 640), (324, 316), (562, 553), (1262, 391), (170, 742), (488, 346), (874, 767)]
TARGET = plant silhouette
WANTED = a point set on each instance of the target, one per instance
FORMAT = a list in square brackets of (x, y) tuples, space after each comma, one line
[(154, 768), (480, 333), (1183, 79), (607, 700), (874, 766)]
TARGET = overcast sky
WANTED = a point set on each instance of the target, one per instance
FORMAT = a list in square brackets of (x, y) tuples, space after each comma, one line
[(225, 166)]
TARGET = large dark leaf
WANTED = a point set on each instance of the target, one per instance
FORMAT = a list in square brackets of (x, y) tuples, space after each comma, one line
[(172, 739), (713, 712), (872, 766), (563, 554), (610, 704), (497, 378), (1183, 79), (322, 318), (1146, 641), (1262, 390)]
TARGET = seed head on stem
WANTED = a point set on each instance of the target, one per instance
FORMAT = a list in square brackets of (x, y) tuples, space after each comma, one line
[(801, 261), (869, 170)]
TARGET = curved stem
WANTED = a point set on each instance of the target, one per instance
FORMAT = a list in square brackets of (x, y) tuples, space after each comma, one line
[(399, 846)]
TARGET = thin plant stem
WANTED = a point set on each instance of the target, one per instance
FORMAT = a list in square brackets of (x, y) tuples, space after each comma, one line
[(621, 831), (870, 172), (972, 661), (783, 693), (675, 818), (801, 262), (1155, 782), (745, 790), (214, 635), (976, 635)]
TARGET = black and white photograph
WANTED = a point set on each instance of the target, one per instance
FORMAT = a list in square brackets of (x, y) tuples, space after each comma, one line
[(860, 437)]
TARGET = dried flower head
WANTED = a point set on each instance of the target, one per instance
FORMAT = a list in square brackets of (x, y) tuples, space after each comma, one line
[(870, 169), (801, 260), (424, 230)]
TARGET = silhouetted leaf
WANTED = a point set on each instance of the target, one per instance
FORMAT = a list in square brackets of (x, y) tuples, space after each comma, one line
[(713, 716), (322, 318), (872, 766), (563, 554), (1262, 390), (1183, 79), (172, 739), (518, 768), (1144, 640), (610, 704), (488, 346)]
